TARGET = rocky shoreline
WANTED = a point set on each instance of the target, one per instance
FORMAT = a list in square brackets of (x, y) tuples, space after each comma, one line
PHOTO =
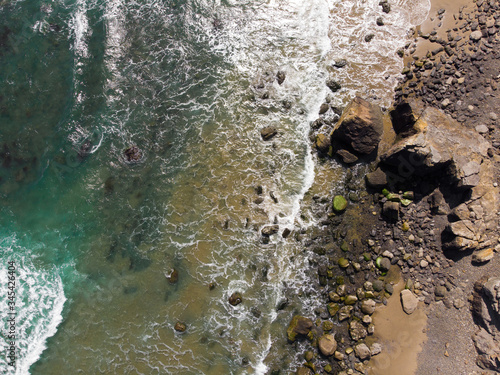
[(419, 204)]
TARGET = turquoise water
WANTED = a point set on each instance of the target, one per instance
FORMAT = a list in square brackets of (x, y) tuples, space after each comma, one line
[(190, 84)]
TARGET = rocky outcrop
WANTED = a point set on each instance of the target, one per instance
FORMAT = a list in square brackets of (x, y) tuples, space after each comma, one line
[(436, 142), (433, 144), (360, 127), (486, 311)]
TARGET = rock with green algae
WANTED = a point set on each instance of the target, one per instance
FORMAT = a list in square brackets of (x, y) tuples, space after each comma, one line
[(339, 204), (299, 326), (343, 263), (333, 309)]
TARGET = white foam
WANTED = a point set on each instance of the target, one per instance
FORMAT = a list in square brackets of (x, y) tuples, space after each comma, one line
[(39, 304)]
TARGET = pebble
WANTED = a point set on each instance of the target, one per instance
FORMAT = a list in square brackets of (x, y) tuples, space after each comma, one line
[(424, 263)]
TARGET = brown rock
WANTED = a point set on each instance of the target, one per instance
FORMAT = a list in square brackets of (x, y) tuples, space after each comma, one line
[(483, 256), (327, 345), (322, 143), (235, 299), (346, 156), (376, 179), (180, 327), (299, 326), (268, 133), (360, 126)]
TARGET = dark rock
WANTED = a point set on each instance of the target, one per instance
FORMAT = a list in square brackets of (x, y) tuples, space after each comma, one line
[(340, 63), (333, 85), (386, 7), (391, 210), (280, 76), (235, 299), (360, 126), (269, 230), (268, 133), (369, 37), (133, 154), (380, 21), (173, 277), (324, 108)]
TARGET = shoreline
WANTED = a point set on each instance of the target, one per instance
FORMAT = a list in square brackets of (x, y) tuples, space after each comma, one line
[(448, 65)]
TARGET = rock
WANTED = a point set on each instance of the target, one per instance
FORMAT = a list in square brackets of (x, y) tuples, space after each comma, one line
[(380, 21), (235, 299), (376, 179), (327, 345), (303, 371), (360, 126), (404, 117), (383, 264), (269, 230), (286, 233), (368, 306), (369, 37), (386, 7), (391, 210), (345, 313), (378, 285), (322, 143), (333, 85), (357, 330), (482, 129), (299, 327), (346, 156), (133, 154), (437, 143), (180, 327), (476, 35), (440, 292), (409, 301), (350, 300), (340, 63), (343, 262), (362, 351), (488, 350), (376, 349), (173, 277), (483, 256), (268, 133), (324, 108), (280, 77), (339, 204)]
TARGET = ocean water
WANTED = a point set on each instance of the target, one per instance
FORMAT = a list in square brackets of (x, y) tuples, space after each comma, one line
[(93, 236)]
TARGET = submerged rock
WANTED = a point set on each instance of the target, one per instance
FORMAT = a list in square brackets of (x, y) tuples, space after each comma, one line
[(346, 156), (270, 230), (280, 77), (133, 154)]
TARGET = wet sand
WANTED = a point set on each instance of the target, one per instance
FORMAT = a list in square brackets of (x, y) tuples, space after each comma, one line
[(401, 336)]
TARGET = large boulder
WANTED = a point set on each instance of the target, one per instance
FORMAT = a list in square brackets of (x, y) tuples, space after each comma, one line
[(360, 127)]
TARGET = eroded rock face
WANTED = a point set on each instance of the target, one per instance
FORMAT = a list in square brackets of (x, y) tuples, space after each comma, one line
[(486, 310), (360, 127), (437, 142)]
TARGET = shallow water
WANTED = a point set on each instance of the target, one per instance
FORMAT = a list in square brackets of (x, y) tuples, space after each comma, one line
[(191, 84)]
